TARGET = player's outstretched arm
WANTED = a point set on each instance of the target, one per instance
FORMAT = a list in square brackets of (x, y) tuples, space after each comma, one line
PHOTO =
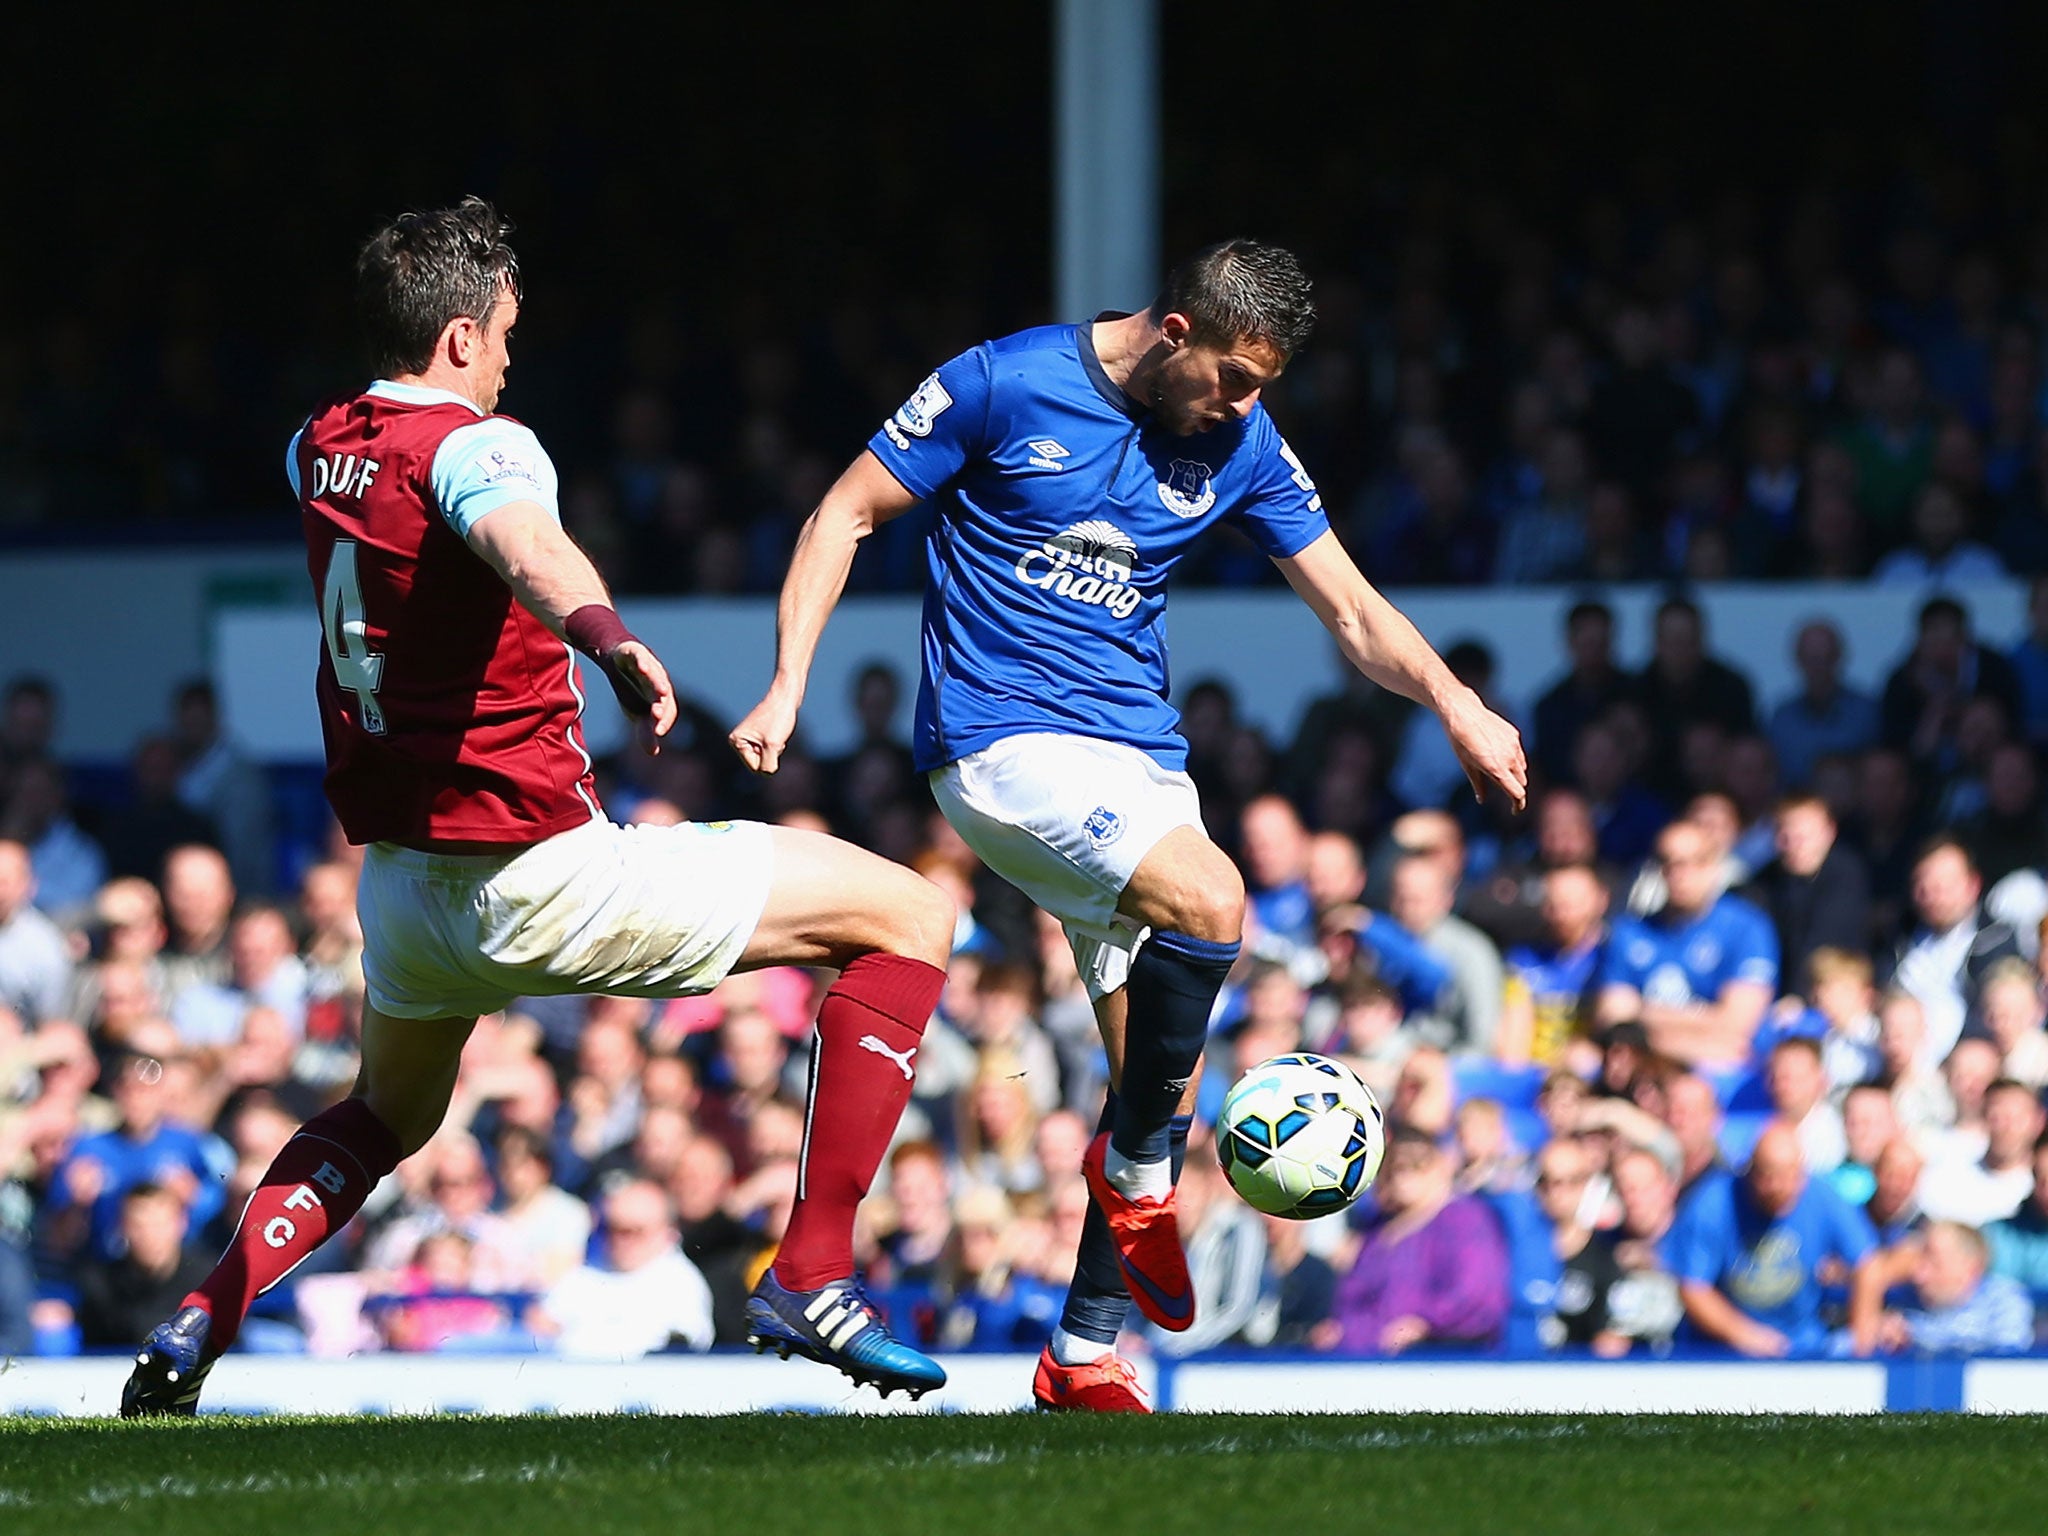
[(558, 585), (860, 501), (1377, 638)]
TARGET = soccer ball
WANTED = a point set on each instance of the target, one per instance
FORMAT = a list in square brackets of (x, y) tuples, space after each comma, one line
[(1300, 1136)]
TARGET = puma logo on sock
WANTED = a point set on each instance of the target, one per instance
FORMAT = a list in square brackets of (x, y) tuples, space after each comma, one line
[(901, 1058)]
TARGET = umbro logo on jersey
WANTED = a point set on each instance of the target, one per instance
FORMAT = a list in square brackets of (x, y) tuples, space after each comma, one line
[(1047, 453)]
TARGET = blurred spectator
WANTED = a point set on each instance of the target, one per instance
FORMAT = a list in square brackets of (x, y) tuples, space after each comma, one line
[(1798, 1088), (1755, 1248), (1626, 816), (2019, 1243), (1992, 1187), (1816, 892), (1564, 1276), (1698, 975), (457, 1199), (1941, 555), (1826, 715), (645, 1298), (1488, 1159), (1947, 956), (605, 1097), (2013, 1015), (1894, 1205), (199, 899), (1892, 446), (546, 1229), (334, 938), (1586, 692), (121, 1299), (1275, 850), (28, 724), (921, 1210), (1963, 1308), (989, 1300), (1919, 1093), (999, 1128), (1298, 1291), (2029, 661), (1684, 686), (1468, 1012), (264, 971), (1839, 984), (1508, 905), (225, 787), (722, 1246), (144, 1147), (1226, 1254), (35, 963), (434, 1301), (2008, 833), (1432, 1267), (1550, 987), (141, 835), (1924, 698), (69, 865), (1869, 1125)]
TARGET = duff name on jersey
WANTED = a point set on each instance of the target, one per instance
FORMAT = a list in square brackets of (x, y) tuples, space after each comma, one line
[(341, 474)]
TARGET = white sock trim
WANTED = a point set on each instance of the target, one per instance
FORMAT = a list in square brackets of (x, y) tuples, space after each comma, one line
[(1070, 1349), (1138, 1181)]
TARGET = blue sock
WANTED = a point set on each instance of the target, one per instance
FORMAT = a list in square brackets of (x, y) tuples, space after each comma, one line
[(1173, 987), (1097, 1298)]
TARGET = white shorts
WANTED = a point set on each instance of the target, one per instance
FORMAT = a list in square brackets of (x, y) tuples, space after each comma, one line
[(1067, 820), (642, 911)]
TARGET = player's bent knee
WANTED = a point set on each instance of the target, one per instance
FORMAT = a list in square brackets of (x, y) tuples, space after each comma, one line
[(928, 917)]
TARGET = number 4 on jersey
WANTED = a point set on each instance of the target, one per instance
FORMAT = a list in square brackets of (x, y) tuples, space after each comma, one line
[(356, 667)]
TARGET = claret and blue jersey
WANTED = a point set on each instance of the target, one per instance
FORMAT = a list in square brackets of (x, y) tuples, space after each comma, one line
[(1061, 508)]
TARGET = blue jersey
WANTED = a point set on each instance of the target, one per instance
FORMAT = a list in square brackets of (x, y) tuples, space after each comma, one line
[(1061, 507), (1767, 1265), (1676, 963)]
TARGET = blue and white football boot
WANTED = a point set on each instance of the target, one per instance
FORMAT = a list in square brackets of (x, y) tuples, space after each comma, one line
[(837, 1325), (170, 1370)]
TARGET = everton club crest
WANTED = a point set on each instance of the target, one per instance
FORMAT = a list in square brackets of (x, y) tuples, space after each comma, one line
[(1186, 491)]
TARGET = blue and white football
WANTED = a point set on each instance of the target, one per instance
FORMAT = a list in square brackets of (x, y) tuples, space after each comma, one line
[(1300, 1136)]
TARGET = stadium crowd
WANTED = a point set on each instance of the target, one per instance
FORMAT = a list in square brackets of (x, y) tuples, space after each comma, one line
[(1843, 378), (1734, 1040)]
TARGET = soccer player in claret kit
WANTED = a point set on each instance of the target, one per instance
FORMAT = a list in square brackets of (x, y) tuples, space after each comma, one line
[(452, 605), (1070, 467)]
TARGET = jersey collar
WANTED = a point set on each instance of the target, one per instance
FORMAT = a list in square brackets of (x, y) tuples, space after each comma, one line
[(419, 394), (1105, 386)]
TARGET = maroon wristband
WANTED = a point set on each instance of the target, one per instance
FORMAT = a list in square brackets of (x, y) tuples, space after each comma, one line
[(596, 629)]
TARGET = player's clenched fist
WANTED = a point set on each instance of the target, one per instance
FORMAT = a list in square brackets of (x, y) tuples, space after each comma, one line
[(760, 738)]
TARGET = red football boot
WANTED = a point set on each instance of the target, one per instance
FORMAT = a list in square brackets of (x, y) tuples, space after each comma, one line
[(1108, 1385), (1147, 1238)]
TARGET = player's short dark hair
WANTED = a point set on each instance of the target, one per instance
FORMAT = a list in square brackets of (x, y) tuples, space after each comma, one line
[(1241, 290), (423, 270)]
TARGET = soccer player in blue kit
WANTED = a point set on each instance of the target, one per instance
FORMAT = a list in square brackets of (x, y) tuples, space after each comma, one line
[(1070, 467)]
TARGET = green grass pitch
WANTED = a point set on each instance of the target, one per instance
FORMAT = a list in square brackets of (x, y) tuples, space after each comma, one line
[(1207, 1474)]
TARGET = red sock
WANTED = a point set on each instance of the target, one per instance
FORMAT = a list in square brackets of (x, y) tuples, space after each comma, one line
[(320, 1179), (862, 1064)]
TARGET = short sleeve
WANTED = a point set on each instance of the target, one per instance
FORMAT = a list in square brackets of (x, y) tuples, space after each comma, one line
[(1703, 1230), (1854, 1237), (488, 465), (1753, 950), (1617, 967), (942, 426), (1282, 510)]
